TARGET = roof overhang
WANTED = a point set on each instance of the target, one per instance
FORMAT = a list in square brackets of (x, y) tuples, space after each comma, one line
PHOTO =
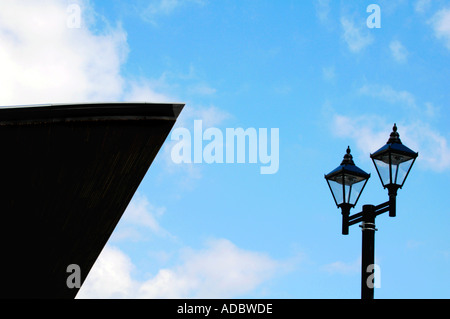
[(68, 172)]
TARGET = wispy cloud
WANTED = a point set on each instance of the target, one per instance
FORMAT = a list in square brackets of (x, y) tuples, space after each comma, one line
[(398, 51), (402, 99), (329, 73), (441, 25), (323, 10), (219, 270), (158, 8), (370, 132), (201, 89), (354, 36), (345, 268), (146, 90), (140, 220), (389, 94), (422, 5)]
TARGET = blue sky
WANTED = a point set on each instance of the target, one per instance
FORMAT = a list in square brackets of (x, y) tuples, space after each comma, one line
[(312, 69)]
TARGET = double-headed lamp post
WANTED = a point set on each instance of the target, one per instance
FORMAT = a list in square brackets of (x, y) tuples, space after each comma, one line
[(393, 163)]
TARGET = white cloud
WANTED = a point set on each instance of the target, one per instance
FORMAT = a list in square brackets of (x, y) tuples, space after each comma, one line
[(363, 129), (398, 51), (144, 91), (139, 220), (371, 132), (389, 94), (44, 61), (441, 26), (433, 148), (220, 270), (110, 277), (354, 36)]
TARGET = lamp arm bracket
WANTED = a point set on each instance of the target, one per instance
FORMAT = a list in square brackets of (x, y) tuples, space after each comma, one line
[(358, 217)]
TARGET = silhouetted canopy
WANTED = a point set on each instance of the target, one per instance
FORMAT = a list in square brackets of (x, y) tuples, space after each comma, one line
[(67, 174)]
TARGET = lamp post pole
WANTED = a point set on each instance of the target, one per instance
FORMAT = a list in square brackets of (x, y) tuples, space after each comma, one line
[(393, 163), (368, 251)]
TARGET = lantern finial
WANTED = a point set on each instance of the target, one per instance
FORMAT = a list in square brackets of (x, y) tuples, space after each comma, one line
[(348, 158), (395, 137)]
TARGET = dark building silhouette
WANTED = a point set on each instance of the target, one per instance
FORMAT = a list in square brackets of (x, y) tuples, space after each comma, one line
[(67, 173)]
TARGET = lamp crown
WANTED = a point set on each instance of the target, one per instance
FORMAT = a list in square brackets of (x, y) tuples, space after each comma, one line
[(395, 137), (348, 158)]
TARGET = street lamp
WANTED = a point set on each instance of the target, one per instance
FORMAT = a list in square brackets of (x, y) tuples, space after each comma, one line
[(346, 183), (393, 163)]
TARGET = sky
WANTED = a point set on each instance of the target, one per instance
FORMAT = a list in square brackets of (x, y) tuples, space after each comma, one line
[(308, 79)]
